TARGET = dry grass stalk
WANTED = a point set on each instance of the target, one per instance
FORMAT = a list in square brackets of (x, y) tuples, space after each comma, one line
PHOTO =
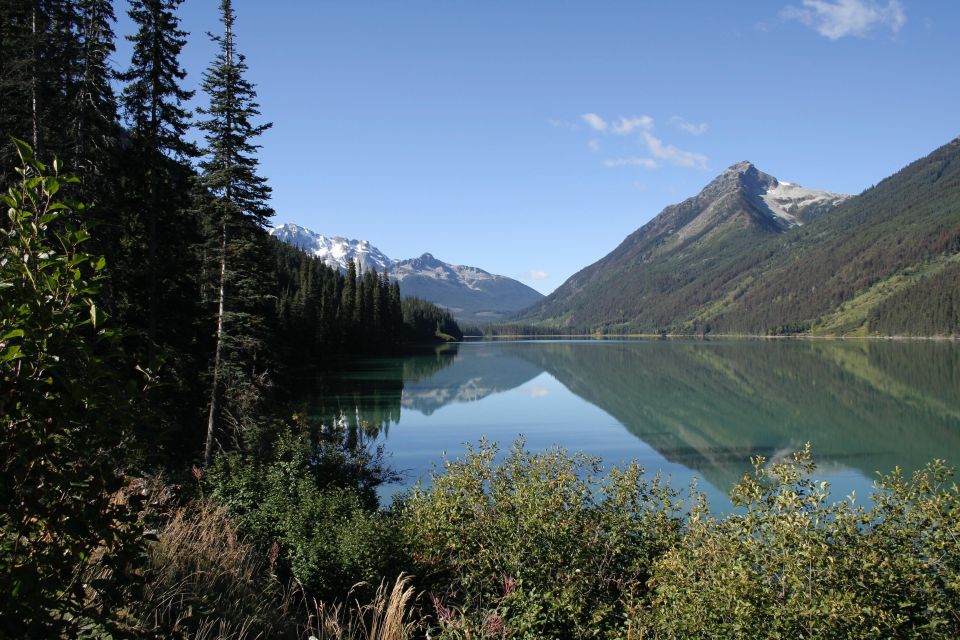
[(203, 578), (387, 617)]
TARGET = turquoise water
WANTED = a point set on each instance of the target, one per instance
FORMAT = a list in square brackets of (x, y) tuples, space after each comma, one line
[(685, 408)]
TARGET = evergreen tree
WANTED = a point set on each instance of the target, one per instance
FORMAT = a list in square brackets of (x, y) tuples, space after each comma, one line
[(348, 303), (40, 44), (93, 126), (153, 101), (237, 210)]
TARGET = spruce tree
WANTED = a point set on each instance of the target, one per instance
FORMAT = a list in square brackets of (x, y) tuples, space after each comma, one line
[(93, 126), (154, 102), (39, 41), (236, 209)]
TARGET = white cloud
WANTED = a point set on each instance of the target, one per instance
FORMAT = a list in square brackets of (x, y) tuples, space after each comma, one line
[(841, 18), (535, 275), (594, 145), (538, 392), (626, 126), (632, 161), (639, 186), (595, 122), (557, 123), (689, 127), (622, 127), (673, 155)]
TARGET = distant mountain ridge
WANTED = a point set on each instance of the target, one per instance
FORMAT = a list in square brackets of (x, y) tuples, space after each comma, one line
[(469, 293), (672, 262), (752, 255)]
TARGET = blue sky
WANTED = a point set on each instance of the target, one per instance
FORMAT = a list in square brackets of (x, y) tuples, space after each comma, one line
[(530, 137)]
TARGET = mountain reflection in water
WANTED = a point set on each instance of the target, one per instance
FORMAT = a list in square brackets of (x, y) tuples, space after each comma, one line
[(703, 405)]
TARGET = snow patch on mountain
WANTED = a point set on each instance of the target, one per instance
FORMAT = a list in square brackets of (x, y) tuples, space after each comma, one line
[(469, 293), (335, 251), (795, 205)]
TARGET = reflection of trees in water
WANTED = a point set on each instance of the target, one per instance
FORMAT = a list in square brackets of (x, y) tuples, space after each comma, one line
[(708, 405), (711, 405), (364, 397), (367, 396)]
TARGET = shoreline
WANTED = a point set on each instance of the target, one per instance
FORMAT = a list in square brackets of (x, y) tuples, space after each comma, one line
[(725, 336)]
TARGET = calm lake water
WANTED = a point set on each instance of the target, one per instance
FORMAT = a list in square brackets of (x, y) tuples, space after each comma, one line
[(687, 408)]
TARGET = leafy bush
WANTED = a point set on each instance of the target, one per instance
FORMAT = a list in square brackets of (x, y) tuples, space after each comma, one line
[(316, 501), (538, 544), (795, 565), (65, 421)]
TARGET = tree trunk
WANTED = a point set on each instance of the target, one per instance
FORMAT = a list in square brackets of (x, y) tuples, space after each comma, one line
[(34, 81), (214, 390)]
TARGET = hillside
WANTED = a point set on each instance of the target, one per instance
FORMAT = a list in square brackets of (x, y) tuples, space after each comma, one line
[(676, 263), (469, 293), (883, 262)]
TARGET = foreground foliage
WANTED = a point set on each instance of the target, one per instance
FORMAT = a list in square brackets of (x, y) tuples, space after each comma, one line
[(536, 547), (66, 420), (794, 564), (559, 550), (313, 502)]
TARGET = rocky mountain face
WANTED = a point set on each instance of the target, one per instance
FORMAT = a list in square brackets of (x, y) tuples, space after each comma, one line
[(471, 294), (750, 254), (678, 259)]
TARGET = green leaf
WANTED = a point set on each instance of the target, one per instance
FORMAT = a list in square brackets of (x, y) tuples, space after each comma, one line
[(24, 149), (16, 333), (11, 353)]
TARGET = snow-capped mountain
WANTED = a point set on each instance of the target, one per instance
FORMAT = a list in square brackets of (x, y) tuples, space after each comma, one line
[(688, 257), (334, 250), (471, 294), (788, 203)]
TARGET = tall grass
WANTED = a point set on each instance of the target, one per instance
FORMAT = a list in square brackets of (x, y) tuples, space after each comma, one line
[(388, 616), (203, 580)]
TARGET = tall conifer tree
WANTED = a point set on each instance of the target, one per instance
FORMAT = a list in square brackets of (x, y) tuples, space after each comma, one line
[(93, 123), (154, 103), (236, 209), (39, 42)]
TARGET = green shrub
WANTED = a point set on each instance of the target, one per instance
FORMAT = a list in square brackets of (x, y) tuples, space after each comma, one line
[(328, 531), (65, 420), (539, 544), (795, 565)]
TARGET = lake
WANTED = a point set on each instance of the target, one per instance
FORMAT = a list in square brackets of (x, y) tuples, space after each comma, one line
[(686, 408)]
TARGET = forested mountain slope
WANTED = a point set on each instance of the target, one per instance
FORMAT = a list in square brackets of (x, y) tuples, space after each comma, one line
[(882, 262), (678, 262)]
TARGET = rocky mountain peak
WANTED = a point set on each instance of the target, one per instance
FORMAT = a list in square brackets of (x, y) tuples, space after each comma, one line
[(783, 203), (741, 177)]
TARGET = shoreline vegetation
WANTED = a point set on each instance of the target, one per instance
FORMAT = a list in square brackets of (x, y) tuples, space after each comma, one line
[(161, 479), (682, 336)]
